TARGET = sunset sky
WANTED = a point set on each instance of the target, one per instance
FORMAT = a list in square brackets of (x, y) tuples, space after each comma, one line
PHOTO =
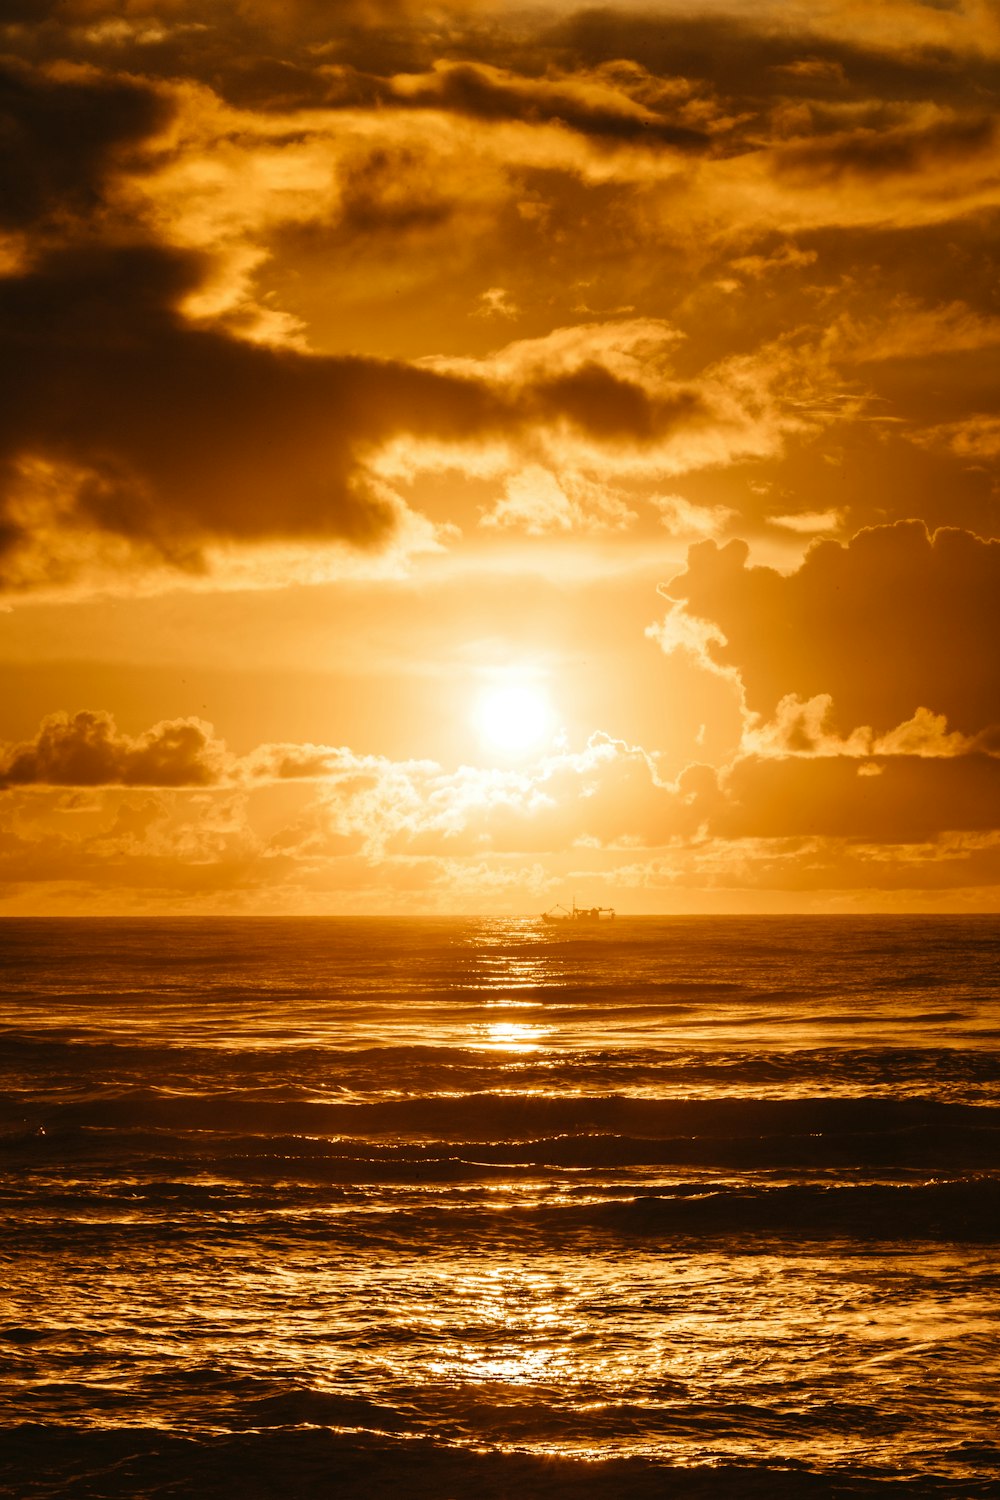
[(459, 458)]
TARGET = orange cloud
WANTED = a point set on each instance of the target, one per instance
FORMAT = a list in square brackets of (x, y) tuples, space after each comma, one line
[(88, 749), (807, 728), (913, 798), (877, 154), (181, 435), (894, 621), (772, 820), (68, 134)]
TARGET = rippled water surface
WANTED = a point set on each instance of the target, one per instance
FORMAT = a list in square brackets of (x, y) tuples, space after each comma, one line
[(661, 1207)]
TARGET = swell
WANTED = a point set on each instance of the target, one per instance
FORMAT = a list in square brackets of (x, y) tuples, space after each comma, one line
[(511, 1116), (75, 1151), (939, 1211), (48, 1067), (537, 1415), (313, 1461), (962, 1211)]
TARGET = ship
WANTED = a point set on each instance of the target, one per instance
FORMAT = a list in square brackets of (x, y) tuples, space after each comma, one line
[(579, 913)]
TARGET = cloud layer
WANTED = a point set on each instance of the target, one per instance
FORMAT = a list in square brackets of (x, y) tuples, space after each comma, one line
[(917, 611), (357, 292), (196, 210)]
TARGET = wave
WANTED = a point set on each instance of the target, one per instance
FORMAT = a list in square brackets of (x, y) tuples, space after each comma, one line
[(50, 1061), (963, 1212), (714, 1213), (940, 1211), (553, 1217), (86, 1152), (516, 1116), (311, 1462)]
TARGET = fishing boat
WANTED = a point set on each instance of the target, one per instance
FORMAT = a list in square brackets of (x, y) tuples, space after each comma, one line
[(579, 913)]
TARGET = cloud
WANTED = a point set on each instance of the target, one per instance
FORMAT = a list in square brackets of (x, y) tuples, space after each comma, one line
[(495, 302), (537, 501), (909, 329), (807, 728), (895, 621), (178, 434), (170, 222), (794, 802), (597, 104), (927, 734), (975, 438), (960, 872), (803, 728), (170, 435), (66, 133), (154, 409), (875, 155), (810, 522), (826, 51), (913, 798), (87, 749), (607, 792), (683, 519), (604, 399)]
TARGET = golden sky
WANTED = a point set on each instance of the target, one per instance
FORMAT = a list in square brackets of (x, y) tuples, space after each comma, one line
[(456, 458)]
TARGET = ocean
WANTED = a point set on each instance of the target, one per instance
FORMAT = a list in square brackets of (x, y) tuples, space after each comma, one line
[(337, 1208)]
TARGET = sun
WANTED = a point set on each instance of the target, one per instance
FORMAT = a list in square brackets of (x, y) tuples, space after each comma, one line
[(514, 718)]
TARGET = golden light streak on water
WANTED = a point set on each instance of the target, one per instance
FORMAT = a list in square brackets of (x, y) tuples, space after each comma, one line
[(510, 1036)]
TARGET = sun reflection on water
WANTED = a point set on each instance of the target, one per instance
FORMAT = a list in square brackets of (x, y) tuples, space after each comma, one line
[(509, 973), (520, 1331), (510, 1036), (511, 956)]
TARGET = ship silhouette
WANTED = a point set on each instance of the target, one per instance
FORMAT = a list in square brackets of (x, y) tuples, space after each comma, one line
[(576, 913)]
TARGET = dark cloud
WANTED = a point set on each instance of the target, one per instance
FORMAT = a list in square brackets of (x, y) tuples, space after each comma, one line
[(894, 621), (187, 433), (857, 870), (900, 799), (871, 153), (172, 434), (252, 52), (753, 61), (60, 138), (482, 94), (385, 192), (601, 108), (277, 56), (608, 406), (88, 749)]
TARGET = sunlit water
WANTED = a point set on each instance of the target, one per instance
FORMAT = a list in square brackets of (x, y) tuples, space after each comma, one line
[(672, 1207)]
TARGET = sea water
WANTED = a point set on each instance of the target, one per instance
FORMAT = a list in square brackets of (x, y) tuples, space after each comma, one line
[(650, 1207)]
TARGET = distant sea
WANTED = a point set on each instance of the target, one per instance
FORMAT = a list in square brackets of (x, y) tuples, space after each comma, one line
[(346, 1208)]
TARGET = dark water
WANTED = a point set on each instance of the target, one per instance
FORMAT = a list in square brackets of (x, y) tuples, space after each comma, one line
[(347, 1208)]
